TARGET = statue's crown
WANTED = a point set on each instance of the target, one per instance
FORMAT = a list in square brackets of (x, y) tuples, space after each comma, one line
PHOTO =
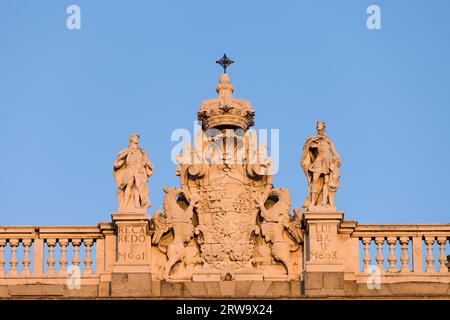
[(225, 110)]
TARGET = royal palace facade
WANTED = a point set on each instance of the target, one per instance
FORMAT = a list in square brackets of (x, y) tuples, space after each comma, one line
[(226, 231)]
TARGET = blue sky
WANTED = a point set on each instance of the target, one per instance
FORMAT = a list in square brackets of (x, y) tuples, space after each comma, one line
[(69, 99)]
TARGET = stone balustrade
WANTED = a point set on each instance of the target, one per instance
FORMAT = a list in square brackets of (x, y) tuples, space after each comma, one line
[(410, 248), (377, 260), (50, 254), (38, 261)]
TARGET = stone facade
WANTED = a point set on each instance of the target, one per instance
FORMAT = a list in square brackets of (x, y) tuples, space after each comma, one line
[(226, 231)]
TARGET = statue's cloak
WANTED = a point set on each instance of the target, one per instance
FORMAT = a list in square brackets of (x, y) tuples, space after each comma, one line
[(308, 158)]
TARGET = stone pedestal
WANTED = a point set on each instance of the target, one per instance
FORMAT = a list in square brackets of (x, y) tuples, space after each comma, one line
[(324, 269), (132, 270)]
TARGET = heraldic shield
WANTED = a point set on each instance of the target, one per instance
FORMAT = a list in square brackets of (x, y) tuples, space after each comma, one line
[(227, 216)]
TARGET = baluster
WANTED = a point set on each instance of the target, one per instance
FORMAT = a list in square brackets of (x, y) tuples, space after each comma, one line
[(404, 241), (430, 259), (442, 258), (13, 261), (26, 261), (2, 257), (51, 256), (63, 261), (380, 259), (76, 249), (88, 260), (448, 262), (367, 259), (392, 241)]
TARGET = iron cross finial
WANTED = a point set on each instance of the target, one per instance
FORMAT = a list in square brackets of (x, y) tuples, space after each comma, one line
[(225, 62)]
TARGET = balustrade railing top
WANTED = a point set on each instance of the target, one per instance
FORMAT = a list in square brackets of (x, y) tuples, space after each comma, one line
[(411, 240), (38, 245)]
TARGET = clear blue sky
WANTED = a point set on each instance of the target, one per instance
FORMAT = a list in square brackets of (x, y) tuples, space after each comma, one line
[(69, 99)]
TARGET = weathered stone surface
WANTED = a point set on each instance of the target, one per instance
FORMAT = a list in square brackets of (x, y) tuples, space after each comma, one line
[(86, 291), (156, 288), (259, 288), (279, 289), (425, 289), (131, 284), (196, 289), (313, 280), (350, 288), (213, 288), (295, 288), (333, 280), (171, 289), (36, 290), (104, 289), (4, 292), (243, 288), (227, 288), (363, 290)]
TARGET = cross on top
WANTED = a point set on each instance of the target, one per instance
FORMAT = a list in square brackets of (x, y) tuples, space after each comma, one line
[(225, 62)]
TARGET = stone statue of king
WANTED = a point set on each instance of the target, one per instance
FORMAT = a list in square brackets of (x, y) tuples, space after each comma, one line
[(321, 164), (132, 169)]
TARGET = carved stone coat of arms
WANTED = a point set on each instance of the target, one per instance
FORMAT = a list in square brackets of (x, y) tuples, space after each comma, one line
[(227, 221)]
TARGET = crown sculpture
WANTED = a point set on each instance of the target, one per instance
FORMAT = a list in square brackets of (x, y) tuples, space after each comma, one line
[(226, 221)]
